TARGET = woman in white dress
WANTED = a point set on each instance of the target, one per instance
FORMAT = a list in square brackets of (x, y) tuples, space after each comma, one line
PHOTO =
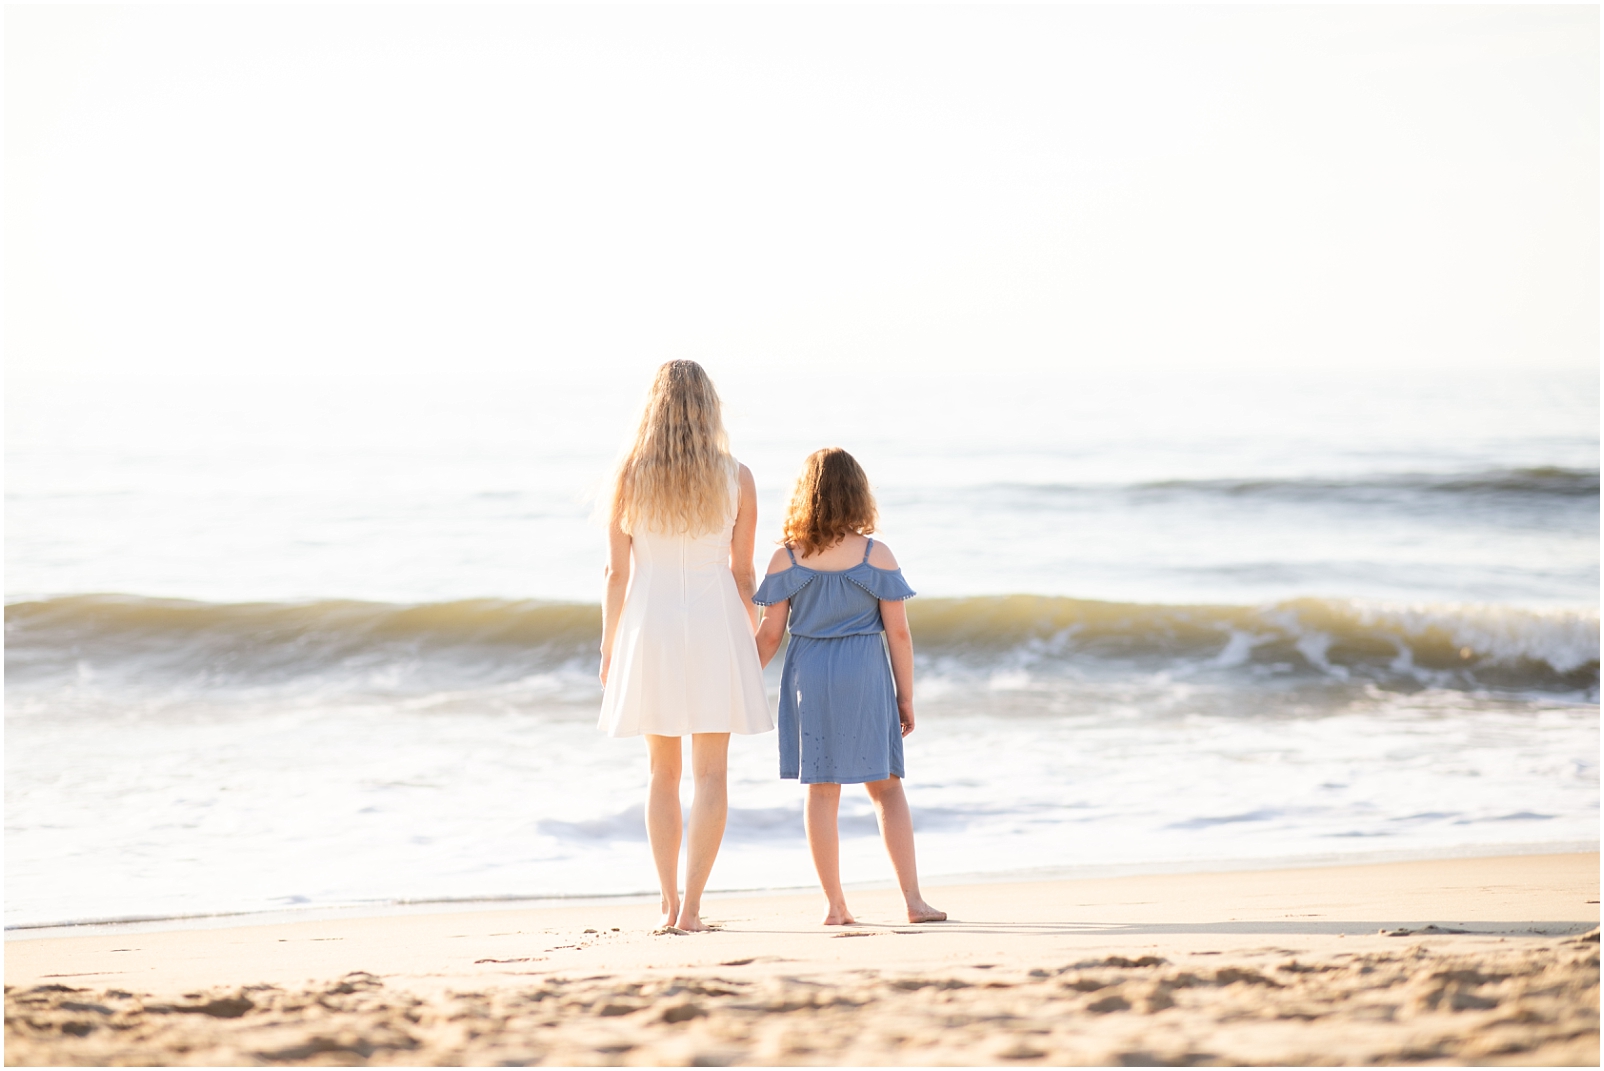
[(678, 653)]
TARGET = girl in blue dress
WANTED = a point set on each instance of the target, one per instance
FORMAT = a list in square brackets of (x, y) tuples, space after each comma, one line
[(846, 690)]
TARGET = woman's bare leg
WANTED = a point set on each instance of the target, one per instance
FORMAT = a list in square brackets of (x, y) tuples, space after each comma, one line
[(663, 818), (824, 841), (896, 826), (710, 808)]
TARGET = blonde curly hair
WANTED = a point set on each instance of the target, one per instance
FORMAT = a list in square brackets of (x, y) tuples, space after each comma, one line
[(677, 476)]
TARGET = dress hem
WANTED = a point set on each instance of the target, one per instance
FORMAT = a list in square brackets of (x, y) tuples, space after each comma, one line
[(690, 732), (864, 780)]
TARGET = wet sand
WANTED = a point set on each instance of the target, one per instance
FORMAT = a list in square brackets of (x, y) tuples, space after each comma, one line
[(1448, 961)]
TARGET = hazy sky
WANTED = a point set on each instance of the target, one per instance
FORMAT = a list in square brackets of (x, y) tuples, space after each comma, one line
[(536, 189)]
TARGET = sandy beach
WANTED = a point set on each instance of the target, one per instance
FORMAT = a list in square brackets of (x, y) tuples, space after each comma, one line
[(1489, 960)]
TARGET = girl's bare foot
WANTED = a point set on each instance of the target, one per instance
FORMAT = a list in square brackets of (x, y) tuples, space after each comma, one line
[(839, 916), (919, 911)]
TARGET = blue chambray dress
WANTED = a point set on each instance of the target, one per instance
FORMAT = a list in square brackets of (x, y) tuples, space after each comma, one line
[(838, 702)]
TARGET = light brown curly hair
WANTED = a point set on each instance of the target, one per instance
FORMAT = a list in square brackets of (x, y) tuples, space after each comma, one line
[(830, 501)]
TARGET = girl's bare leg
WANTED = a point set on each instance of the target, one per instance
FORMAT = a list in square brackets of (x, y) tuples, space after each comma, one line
[(710, 808), (663, 818), (824, 841), (896, 826)]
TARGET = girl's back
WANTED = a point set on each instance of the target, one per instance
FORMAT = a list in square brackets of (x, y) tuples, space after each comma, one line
[(838, 705), (832, 602)]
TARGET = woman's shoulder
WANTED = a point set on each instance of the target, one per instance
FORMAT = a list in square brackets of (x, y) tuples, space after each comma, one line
[(745, 484), (880, 556)]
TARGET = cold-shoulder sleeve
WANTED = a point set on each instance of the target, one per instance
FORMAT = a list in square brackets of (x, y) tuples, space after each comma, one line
[(777, 587), (886, 584)]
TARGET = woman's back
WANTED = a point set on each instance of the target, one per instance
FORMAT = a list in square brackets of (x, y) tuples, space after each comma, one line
[(694, 555), (684, 660), (680, 585)]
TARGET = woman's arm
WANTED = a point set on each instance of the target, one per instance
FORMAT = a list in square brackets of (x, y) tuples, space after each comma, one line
[(900, 642), (743, 541), (617, 572)]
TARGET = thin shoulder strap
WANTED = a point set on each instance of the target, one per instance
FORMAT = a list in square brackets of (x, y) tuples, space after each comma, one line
[(788, 551), (867, 547)]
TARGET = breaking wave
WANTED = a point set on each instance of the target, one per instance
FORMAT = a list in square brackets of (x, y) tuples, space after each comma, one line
[(1455, 646), (411, 648)]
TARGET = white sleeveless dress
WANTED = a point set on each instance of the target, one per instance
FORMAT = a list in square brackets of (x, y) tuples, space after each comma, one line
[(684, 657)]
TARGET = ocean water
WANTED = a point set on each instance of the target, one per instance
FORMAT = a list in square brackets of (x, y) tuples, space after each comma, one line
[(276, 643)]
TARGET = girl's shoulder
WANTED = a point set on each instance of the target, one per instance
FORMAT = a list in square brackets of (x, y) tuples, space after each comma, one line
[(779, 563), (880, 556)]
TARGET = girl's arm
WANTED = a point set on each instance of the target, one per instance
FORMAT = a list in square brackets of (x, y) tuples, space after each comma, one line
[(900, 642), (618, 565), (743, 541), (772, 629)]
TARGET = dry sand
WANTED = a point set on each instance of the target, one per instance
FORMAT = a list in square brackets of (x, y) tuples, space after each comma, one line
[(1255, 967)]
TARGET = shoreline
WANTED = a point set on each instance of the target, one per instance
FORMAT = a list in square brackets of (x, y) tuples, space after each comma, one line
[(1485, 959), (403, 908)]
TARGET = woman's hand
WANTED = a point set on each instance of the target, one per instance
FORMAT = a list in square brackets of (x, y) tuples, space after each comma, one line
[(905, 715), (607, 664)]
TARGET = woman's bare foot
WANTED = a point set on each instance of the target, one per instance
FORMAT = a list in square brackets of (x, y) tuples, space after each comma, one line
[(919, 911), (839, 916), (670, 915), (693, 924)]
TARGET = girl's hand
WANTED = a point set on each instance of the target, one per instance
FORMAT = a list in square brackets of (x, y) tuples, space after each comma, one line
[(905, 715)]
